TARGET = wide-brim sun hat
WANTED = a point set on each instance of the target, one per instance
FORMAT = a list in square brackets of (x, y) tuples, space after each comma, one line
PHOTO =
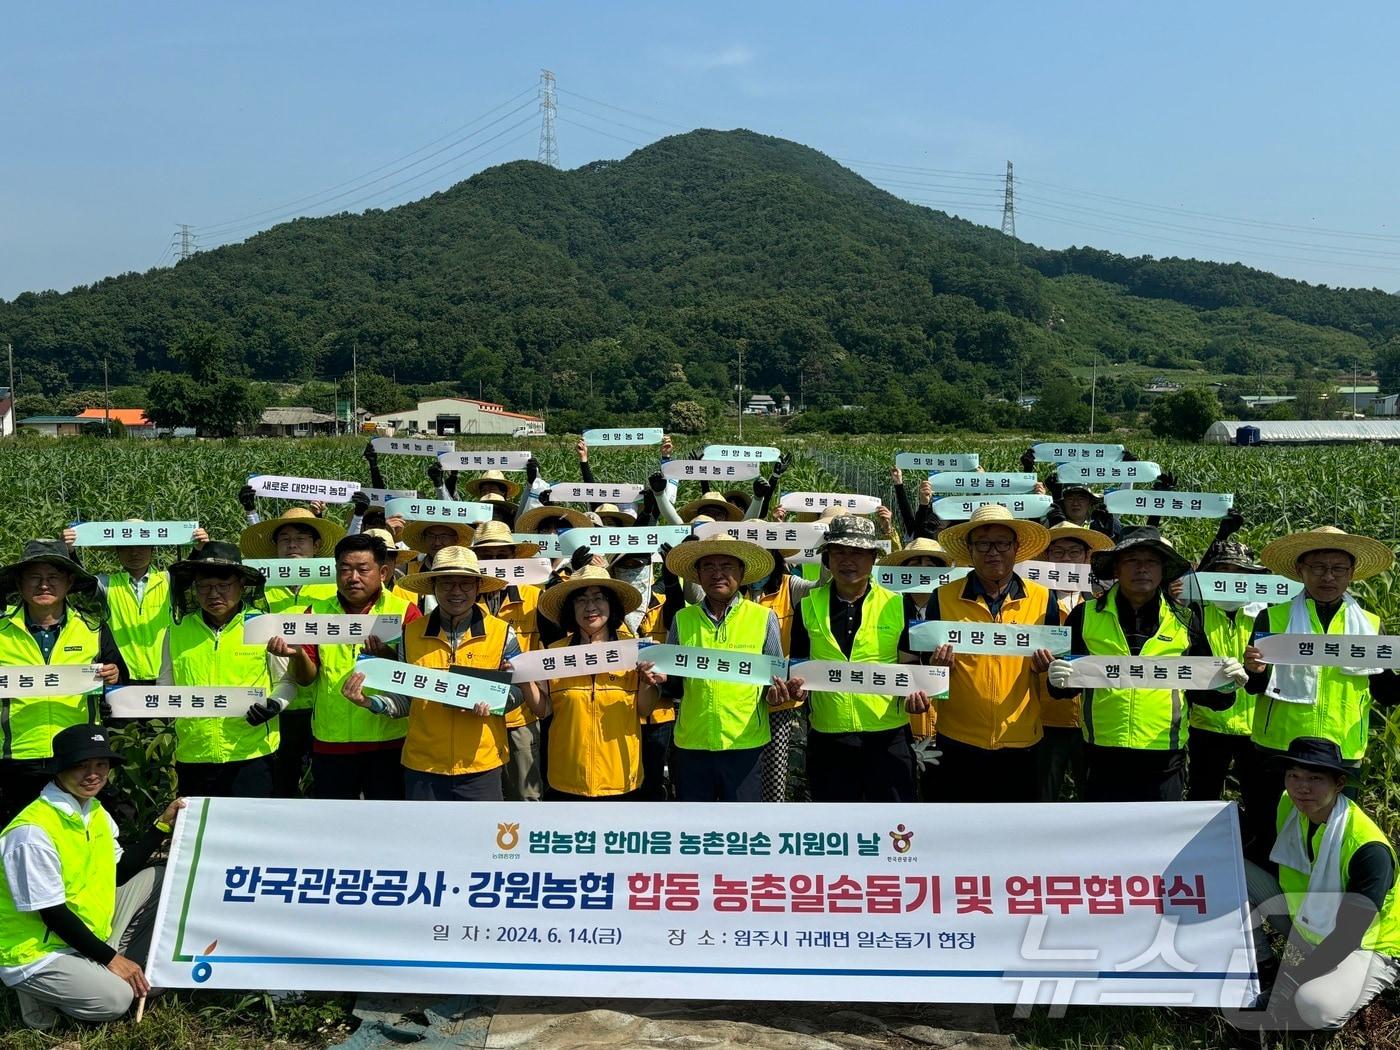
[(531, 519), (451, 561), (414, 537), (497, 534), (1104, 564), (1232, 553), (1031, 537), (257, 541), (1371, 557), (850, 530), (1080, 489), (712, 503), (473, 487), (215, 558), (923, 547), (45, 552), (1068, 530), (553, 600), (1312, 752), (757, 562), (612, 514)]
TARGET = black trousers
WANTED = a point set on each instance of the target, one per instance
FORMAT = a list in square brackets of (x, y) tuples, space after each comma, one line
[(977, 774), (21, 780), (293, 754), (1130, 774), (486, 786), (656, 759), (374, 775), (718, 776), (553, 795), (1213, 755), (861, 767), (1060, 754), (251, 778)]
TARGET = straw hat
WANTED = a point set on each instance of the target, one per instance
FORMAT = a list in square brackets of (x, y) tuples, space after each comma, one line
[(739, 498), (1372, 557), (451, 561), (758, 562), (530, 520), (257, 540), (715, 505), (497, 534), (1091, 538), (474, 486), (1104, 564), (554, 598), (413, 537), (803, 517), (919, 548), (1031, 538), (612, 514)]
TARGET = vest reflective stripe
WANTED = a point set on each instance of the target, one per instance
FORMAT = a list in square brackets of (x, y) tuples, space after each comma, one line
[(1147, 719), (1383, 935), (87, 855), (295, 600), (1227, 638), (652, 627), (722, 716), (780, 602), (1057, 713), (1342, 713), (334, 719), (520, 608), (201, 656), (29, 726), (876, 641), (595, 738), (452, 740), (139, 628)]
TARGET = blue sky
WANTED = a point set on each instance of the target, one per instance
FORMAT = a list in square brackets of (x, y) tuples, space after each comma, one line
[(1261, 132)]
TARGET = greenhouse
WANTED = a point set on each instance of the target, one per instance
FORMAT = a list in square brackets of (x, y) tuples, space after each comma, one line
[(1301, 431)]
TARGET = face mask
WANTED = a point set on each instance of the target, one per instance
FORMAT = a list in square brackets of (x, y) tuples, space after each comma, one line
[(758, 585), (639, 577), (1230, 606)]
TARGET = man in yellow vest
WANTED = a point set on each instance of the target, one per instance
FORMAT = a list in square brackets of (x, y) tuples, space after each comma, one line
[(859, 745), (1134, 738), (1329, 884), (50, 617), (76, 908), (721, 727), (989, 727), (450, 754), (1333, 703), (355, 754)]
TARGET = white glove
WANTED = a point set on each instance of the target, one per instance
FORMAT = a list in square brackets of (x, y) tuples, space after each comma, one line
[(1058, 673), (1235, 672)]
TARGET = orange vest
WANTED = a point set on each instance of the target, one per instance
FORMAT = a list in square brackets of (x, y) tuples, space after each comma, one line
[(595, 739), (518, 608), (652, 627), (780, 601)]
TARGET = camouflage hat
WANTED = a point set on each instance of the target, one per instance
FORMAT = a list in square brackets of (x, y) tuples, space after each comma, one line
[(847, 530), (1231, 552)]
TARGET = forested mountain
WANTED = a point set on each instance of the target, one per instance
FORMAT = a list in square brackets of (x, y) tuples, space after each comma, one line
[(637, 280)]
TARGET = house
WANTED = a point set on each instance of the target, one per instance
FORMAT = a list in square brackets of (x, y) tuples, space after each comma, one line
[(59, 426), (132, 419), (295, 421), (1385, 405), (7, 413), (446, 416)]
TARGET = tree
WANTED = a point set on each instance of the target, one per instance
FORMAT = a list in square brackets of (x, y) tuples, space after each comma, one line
[(218, 409), (1186, 413), (1388, 365), (686, 417)]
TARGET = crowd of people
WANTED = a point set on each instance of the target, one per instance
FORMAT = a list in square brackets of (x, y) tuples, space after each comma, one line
[(1012, 728)]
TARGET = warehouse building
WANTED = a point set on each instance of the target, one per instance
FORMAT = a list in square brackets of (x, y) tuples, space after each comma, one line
[(447, 416)]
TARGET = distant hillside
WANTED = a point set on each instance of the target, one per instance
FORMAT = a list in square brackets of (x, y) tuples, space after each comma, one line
[(637, 279)]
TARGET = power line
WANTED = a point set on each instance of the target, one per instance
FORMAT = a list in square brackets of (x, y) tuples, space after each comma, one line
[(451, 176), (549, 107), (1008, 208), (600, 131), (990, 176), (619, 109)]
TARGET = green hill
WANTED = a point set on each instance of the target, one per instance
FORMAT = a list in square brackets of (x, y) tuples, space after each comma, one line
[(636, 279)]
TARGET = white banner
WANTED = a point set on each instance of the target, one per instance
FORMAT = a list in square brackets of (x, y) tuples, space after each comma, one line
[(840, 676), (438, 510), (1239, 587), (707, 470), (715, 665), (411, 447), (322, 628), (751, 453), (633, 540), (1096, 473), (132, 534), (1095, 904), (1136, 672), (816, 502), (483, 460), (770, 535), (1169, 504), (1331, 650), (624, 436), (980, 481), (937, 460), (163, 701), (619, 494), (1057, 576), (516, 570), (293, 572), (988, 639), (571, 661), (548, 543), (324, 490), (443, 687), (26, 683), (906, 579), (1071, 452), (381, 497), (960, 508)]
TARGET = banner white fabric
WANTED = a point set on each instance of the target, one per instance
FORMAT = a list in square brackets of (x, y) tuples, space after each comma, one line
[(1331, 650), (714, 665), (770, 535), (816, 502), (460, 513), (134, 534), (1057, 576), (1093, 904), (636, 540), (381, 497), (988, 639), (937, 460), (26, 683), (571, 661), (548, 543), (1076, 452), (1239, 587), (164, 701), (840, 676), (322, 628), (709, 470), (517, 570), (277, 486), (751, 453), (980, 481), (483, 460), (624, 436), (427, 683), (1135, 672), (293, 572), (1104, 473), (601, 493), (1169, 504), (960, 508), (906, 579), (411, 447)]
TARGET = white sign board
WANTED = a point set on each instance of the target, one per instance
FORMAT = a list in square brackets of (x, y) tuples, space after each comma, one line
[(981, 481), (937, 460), (438, 510), (906, 579), (516, 570), (322, 628), (1072, 452), (746, 453), (483, 460), (1090, 473), (708, 470), (134, 534), (816, 502), (770, 535), (624, 436), (293, 572), (1169, 504), (164, 701), (323, 490), (572, 493), (960, 508), (411, 447)]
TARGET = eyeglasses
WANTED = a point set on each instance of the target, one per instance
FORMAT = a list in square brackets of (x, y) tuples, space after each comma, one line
[(1312, 568), (208, 588), (458, 585), (1068, 553), (987, 546), (591, 599)]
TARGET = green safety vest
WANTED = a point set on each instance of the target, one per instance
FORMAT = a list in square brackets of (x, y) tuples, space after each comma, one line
[(1342, 713), (87, 854), (1383, 935), (296, 600), (1146, 719), (29, 726), (811, 570), (201, 656), (139, 627), (1227, 638), (335, 719), (876, 641), (722, 716)]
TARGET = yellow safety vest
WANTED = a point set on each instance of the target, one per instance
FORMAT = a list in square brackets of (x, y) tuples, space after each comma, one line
[(722, 716), (200, 655), (652, 627), (291, 600), (519, 608), (780, 601), (595, 739), (334, 719), (29, 726), (876, 641), (1227, 638), (139, 628)]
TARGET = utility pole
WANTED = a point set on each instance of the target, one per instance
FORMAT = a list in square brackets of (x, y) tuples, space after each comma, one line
[(739, 389), (549, 145), (1008, 210), (187, 246), (354, 387), (1094, 395), (106, 400), (14, 412)]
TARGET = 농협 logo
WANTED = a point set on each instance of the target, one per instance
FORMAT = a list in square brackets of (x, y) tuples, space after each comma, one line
[(901, 840), (507, 836)]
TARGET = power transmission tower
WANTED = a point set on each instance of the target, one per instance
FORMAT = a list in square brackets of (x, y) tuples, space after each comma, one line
[(184, 242), (549, 146), (1008, 208)]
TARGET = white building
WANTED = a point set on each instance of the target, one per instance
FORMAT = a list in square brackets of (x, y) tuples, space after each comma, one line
[(459, 415), (7, 413)]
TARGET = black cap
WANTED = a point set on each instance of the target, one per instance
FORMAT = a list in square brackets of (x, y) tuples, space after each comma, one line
[(80, 743), (1313, 752), (1105, 563), (215, 558)]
